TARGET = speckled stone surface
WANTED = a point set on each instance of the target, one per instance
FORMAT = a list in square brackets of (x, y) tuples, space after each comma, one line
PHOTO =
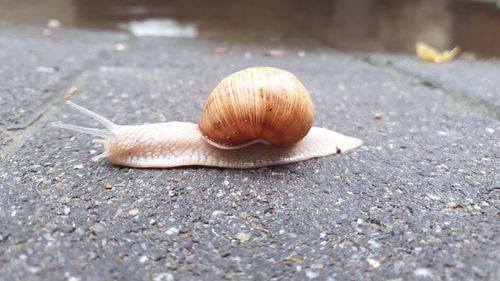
[(418, 201)]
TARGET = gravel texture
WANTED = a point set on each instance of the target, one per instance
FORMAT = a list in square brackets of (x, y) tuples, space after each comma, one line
[(418, 201)]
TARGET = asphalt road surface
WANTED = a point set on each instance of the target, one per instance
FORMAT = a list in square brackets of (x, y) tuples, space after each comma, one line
[(418, 201)]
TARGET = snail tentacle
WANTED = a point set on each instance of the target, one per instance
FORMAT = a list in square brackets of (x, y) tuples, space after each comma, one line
[(106, 134), (99, 118), (89, 131)]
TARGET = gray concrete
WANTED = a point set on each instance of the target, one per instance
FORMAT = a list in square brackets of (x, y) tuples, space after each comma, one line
[(418, 201), (473, 82)]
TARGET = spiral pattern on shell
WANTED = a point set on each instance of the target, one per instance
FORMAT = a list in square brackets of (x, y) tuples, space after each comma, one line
[(257, 104)]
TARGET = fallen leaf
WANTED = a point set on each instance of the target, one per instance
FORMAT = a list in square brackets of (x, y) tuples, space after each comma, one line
[(428, 53)]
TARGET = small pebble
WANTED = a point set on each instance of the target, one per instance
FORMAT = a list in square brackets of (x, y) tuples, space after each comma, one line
[(317, 266), (164, 276), (118, 213), (374, 243), (490, 130), (243, 215), (66, 210), (133, 212), (422, 272), (143, 259), (47, 237), (34, 269), (97, 228), (373, 263), (312, 274), (377, 116), (172, 231), (120, 47), (433, 197), (243, 236), (452, 205), (217, 213), (78, 167), (108, 185), (45, 69)]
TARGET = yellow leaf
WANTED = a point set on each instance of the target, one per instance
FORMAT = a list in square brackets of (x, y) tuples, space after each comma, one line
[(428, 53)]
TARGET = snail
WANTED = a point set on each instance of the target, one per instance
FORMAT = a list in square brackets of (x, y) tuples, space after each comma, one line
[(259, 116)]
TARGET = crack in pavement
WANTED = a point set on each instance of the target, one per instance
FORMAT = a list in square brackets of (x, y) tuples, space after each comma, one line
[(20, 133), (478, 104)]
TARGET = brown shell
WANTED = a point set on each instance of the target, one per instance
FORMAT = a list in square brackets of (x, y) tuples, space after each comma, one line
[(257, 104)]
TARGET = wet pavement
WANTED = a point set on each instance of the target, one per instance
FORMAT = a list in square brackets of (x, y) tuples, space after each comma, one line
[(363, 25), (418, 201)]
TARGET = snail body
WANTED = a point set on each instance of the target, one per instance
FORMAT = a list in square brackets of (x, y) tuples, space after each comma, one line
[(225, 136)]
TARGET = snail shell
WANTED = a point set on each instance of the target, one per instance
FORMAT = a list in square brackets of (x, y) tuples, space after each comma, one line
[(263, 106), (257, 104)]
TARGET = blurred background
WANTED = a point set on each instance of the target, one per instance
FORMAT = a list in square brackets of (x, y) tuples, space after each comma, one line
[(349, 25)]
